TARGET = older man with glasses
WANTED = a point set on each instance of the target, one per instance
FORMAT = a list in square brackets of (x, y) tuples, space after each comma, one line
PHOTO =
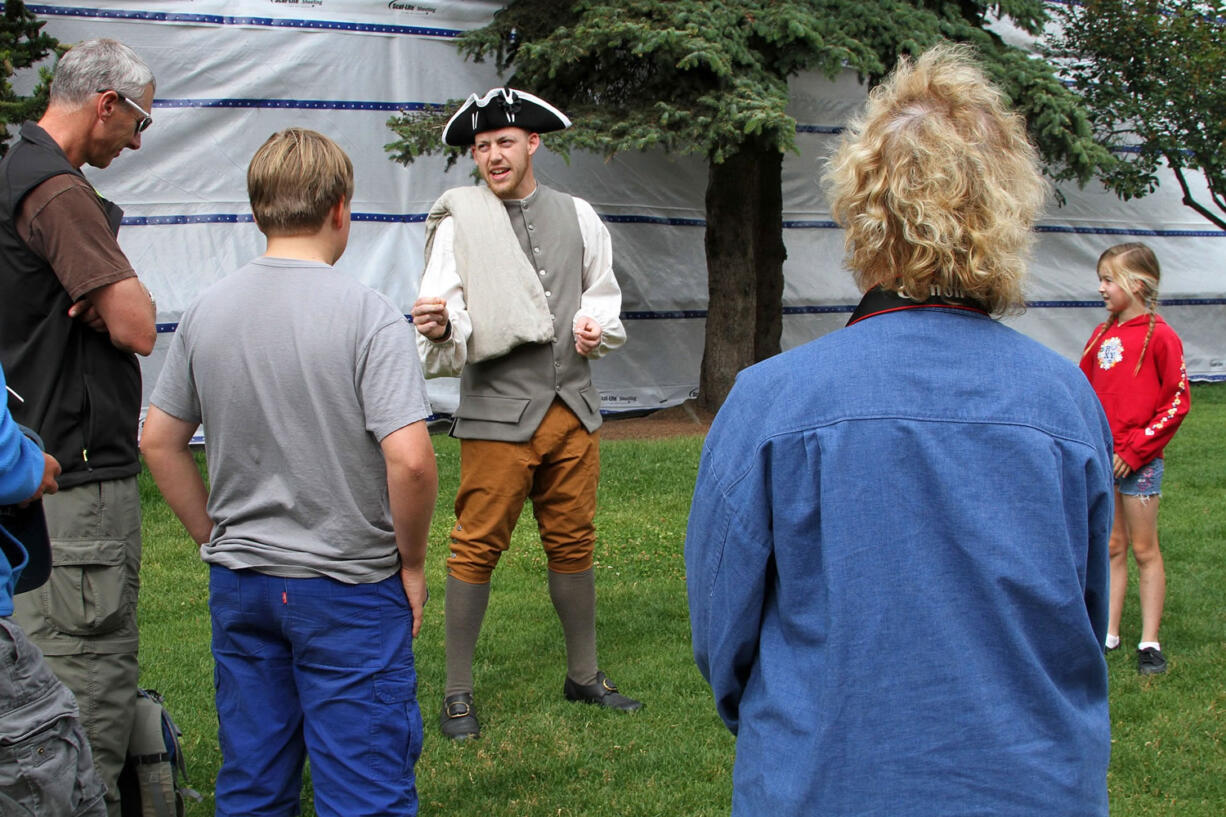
[(73, 317)]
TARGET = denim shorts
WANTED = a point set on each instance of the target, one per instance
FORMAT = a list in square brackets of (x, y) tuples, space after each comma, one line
[(1145, 481)]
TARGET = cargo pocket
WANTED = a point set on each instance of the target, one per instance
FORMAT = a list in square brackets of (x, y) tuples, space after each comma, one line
[(397, 736), (85, 594), (50, 770)]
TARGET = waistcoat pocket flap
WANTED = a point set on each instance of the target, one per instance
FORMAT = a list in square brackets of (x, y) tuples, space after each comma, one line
[(591, 396), (492, 409)]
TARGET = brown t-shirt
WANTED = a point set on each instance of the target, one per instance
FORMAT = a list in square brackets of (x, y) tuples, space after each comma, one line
[(61, 220)]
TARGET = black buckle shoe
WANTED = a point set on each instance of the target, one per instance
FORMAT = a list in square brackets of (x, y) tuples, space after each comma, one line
[(458, 720), (1150, 662), (602, 693)]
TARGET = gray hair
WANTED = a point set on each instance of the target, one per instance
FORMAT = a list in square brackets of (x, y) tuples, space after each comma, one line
[(94, 65)]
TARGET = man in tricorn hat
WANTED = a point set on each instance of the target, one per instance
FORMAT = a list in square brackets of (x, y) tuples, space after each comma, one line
[(519, 328)]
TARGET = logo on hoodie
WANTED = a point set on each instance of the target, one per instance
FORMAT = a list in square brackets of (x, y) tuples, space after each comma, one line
[(1110, 353)]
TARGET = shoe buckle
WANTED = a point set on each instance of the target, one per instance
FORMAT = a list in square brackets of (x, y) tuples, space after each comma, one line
[(458, 709)]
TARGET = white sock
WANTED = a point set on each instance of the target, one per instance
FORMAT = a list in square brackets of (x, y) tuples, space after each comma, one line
[(1144, 645), (1113, 641)]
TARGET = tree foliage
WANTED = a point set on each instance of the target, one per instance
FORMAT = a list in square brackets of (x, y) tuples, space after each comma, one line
[(704, 77), (1153, 74), (22, 45)]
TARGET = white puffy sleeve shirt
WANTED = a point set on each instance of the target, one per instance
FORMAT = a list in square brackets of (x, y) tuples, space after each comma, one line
[(600, 300)]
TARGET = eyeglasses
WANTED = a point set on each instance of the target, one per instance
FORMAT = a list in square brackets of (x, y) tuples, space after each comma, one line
[(146, 119)]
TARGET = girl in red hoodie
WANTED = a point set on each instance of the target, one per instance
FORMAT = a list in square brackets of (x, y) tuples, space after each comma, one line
[(1135, 362)]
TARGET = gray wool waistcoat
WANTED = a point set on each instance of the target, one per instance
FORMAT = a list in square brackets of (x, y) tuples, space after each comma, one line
[(505, 398)]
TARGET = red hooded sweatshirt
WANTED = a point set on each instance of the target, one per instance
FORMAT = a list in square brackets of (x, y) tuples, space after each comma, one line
[(1144, 408)]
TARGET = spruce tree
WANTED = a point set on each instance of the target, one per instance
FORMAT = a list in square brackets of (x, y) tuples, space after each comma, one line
[(23, 44)]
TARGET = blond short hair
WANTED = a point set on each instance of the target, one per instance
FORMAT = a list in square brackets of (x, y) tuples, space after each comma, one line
[(937, 186), (294, 179)]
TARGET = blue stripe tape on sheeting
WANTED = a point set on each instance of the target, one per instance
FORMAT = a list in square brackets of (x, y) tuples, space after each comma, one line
[(825, 224), (672, 222), (847, 309), (664, 314), (1052, 228), (203, 218), (390, 218), (227, 20), (246, 218), (298, 104), (819, 310), (416, 218), (810, 225), (1098, 304)]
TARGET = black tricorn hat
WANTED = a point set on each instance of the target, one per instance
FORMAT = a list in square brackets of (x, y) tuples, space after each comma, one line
[(501, 108)]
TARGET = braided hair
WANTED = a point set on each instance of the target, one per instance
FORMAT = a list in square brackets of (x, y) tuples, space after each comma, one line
[(1136, 269)]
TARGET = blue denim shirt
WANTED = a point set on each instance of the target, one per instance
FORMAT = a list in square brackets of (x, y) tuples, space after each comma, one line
[(897, 573)]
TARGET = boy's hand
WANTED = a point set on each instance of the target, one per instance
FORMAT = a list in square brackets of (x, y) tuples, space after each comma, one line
[(430, 317), (51, 470), (414, 581), (587, 336)]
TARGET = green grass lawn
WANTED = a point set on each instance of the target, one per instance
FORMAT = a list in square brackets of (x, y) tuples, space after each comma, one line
[(540, 755)]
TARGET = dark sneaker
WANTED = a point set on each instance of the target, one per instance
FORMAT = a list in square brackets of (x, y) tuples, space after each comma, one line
[(1150, 662), (603, 693), (458, 719)]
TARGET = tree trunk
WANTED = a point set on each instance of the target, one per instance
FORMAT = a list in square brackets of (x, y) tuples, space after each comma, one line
[(769, 255), (745, 254)]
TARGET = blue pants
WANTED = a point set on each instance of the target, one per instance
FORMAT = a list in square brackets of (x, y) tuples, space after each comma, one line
[(318, 668)]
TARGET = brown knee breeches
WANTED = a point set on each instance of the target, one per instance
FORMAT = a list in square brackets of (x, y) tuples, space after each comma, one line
[(557, 469)]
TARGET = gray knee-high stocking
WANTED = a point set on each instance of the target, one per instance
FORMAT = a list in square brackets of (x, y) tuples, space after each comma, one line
[(464, 610), (574, 599)]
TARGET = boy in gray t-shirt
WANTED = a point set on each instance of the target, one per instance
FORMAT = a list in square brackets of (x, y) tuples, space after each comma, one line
[(323, 483)]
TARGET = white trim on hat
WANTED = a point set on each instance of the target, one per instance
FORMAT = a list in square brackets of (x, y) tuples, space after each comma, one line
[(509, 94)]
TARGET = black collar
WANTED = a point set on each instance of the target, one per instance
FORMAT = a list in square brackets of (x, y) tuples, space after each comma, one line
[(878, 301), (32, 132)]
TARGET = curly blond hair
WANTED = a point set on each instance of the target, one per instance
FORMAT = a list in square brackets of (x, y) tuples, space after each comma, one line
[(937, 186)]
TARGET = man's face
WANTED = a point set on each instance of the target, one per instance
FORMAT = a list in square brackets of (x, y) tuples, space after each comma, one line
[(504, 159), (110, 137)]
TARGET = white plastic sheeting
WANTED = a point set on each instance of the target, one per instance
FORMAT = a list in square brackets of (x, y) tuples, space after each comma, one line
[(231, 73)]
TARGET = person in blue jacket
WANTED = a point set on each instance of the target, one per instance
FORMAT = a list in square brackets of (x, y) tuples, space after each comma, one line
[(46, 768), (898, 575)]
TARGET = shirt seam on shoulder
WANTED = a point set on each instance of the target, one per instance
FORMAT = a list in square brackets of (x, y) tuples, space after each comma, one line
[(735, 477)]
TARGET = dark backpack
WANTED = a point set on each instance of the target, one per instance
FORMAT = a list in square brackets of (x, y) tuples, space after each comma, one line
[(154, 781)]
